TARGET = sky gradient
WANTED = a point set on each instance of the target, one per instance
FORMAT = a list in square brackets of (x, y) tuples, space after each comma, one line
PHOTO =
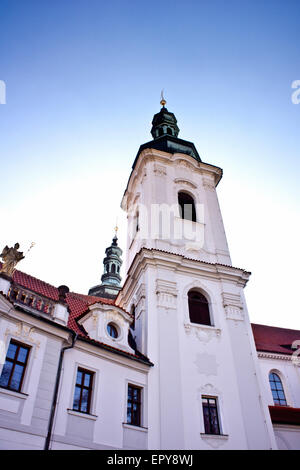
[(83, 81)]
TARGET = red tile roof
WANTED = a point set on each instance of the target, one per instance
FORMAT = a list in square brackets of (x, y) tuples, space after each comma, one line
[(285, 415), (77, 303), (273, 339)]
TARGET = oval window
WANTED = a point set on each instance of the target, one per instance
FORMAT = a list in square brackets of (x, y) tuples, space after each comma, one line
[(112, 330)]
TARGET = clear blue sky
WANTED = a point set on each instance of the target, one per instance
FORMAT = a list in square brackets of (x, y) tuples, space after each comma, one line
[(83, 81)]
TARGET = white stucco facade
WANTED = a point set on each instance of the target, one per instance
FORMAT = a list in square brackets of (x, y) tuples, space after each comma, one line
[(192, 360), (173, 362)]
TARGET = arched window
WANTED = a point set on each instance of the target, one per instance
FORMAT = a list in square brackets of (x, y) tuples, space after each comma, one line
[(277, 389), (113, 268), (187, 208), (169, 131), (160, 131), (198, 308)]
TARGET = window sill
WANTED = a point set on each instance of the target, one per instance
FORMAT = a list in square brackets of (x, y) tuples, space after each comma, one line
[(201, 325), (13, 393), (82, 415), (214, 436), (136, 428)]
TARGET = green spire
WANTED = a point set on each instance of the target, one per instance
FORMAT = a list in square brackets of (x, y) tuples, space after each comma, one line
[(112, 264), (164, 122), (110, 279)]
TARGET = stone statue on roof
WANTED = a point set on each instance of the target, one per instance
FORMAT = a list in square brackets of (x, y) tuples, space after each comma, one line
[(11, 257)]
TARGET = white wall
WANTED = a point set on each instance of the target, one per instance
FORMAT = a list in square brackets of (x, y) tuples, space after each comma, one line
[(109, 398), (24, 416)]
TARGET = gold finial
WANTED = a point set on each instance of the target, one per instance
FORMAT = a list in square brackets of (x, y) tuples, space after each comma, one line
[(162, 101), (31, 246), (116, 227)]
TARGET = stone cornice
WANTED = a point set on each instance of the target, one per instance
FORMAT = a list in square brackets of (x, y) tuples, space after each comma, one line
[(180, 264), (85, 345), (282, 357), (96, 307), (38, 322)]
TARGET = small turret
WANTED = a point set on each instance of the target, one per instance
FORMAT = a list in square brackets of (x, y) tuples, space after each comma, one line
[(164, 123), (165, 136), (110, 279)]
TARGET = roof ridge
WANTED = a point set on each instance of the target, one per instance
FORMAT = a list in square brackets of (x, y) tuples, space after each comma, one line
[(277, 327), (194, 259), (30, 275)]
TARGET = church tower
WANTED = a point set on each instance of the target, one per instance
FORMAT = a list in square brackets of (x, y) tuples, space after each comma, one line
[(191, 318)]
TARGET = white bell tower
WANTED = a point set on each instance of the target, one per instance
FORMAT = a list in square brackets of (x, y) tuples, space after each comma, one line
[(204, 390)]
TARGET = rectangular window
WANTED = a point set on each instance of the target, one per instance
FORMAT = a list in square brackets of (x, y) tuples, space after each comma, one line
[(134, 405), (15, 365), (83, 391), (210, 415)]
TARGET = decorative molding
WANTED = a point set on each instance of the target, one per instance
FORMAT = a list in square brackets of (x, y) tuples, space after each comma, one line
[(234, 313), (95, 319), (24, 332), (159, 170), (183, 163), (233, 306), (185, 182), (208, 389), (202, 332), (208, 184), (282, 357), (214, 440), (166, 292), (140, 301), (137, 196)]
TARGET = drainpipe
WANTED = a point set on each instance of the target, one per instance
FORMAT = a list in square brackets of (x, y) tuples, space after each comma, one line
[(54, 400)]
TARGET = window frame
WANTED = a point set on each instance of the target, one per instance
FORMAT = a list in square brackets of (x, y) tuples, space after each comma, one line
[(82, 387), (15, 362), (274, 372), (217, 408), (196, 291), (140, 404), (181, 206), (112, 327)]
